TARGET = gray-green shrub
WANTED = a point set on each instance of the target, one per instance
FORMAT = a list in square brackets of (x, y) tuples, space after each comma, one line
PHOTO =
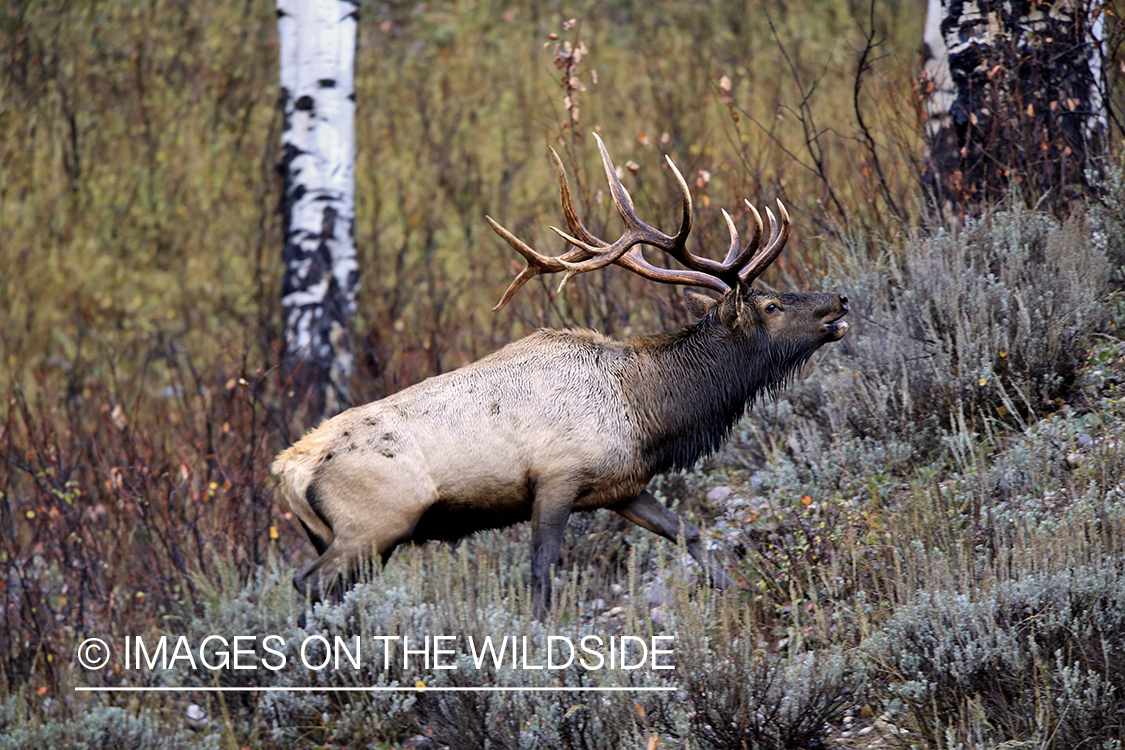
[(93, 726), (1040, 656), (722, 677), (973, 319)]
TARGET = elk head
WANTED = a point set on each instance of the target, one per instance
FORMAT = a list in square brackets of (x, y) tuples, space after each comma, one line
[(797, 323)]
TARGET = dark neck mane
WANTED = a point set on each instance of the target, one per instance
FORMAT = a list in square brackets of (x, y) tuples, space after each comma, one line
[(690, 387)]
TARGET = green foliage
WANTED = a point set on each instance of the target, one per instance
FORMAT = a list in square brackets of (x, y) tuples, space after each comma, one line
[(134, 186)]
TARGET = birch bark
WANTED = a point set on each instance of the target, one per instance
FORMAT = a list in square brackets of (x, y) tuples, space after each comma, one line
[(1014, 93), (317, 165)]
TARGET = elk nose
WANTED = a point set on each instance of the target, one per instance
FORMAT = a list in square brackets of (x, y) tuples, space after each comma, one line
[(843, 302)]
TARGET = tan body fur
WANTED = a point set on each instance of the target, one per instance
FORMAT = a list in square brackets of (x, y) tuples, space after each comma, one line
[(542, 411), (560, 421)]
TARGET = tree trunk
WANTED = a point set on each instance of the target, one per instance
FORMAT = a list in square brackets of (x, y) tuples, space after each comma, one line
[(317, 40), (1015, 95)]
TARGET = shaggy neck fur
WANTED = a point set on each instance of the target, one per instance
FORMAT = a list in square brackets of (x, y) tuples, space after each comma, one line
[(691, 386)]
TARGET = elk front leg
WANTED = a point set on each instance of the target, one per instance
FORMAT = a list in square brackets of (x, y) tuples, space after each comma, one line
[(549, 514), (649, 513)]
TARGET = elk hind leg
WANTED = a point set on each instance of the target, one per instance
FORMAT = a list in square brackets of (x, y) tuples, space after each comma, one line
[(370, 503), (317, 540), (330, 575), (649, 513)]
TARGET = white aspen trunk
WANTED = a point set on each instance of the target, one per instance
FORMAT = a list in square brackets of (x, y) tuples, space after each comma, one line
[(1015, 94), (939, 93), (317, 44)]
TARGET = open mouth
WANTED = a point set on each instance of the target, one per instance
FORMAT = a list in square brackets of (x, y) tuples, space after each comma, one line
[(835, 328)]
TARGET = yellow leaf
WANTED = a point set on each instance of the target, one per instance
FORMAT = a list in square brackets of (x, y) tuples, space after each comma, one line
[(273, 532)]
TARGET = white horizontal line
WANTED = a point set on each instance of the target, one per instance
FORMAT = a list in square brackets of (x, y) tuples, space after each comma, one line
[(373, 689)]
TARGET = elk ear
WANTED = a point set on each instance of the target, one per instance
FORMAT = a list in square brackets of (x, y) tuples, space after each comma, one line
[(699, 304), (730, 309)]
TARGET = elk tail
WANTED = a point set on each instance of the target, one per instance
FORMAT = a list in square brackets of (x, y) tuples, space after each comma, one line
[(296, 469)]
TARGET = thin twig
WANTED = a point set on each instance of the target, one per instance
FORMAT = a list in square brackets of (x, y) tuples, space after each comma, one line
[(865, 64)]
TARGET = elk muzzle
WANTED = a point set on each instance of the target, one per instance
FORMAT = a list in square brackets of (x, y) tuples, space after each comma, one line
[(832, 325)]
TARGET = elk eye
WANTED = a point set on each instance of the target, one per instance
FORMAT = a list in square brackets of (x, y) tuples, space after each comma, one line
[(771, 308)]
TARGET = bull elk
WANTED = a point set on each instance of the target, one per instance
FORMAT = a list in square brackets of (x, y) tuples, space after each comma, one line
[(563, 420)]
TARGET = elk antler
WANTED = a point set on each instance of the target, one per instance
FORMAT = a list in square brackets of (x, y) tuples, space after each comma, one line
[(739, 268)]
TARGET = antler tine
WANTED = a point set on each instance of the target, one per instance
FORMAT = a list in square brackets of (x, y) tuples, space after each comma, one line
[(602, 254), (637, 232), (679, 250), (685, 192), (536, 263), (624, 202), (522, 278), (577, 228), (773, 248), (739, 267), (733, 251), (736, 259), (633, 259)]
